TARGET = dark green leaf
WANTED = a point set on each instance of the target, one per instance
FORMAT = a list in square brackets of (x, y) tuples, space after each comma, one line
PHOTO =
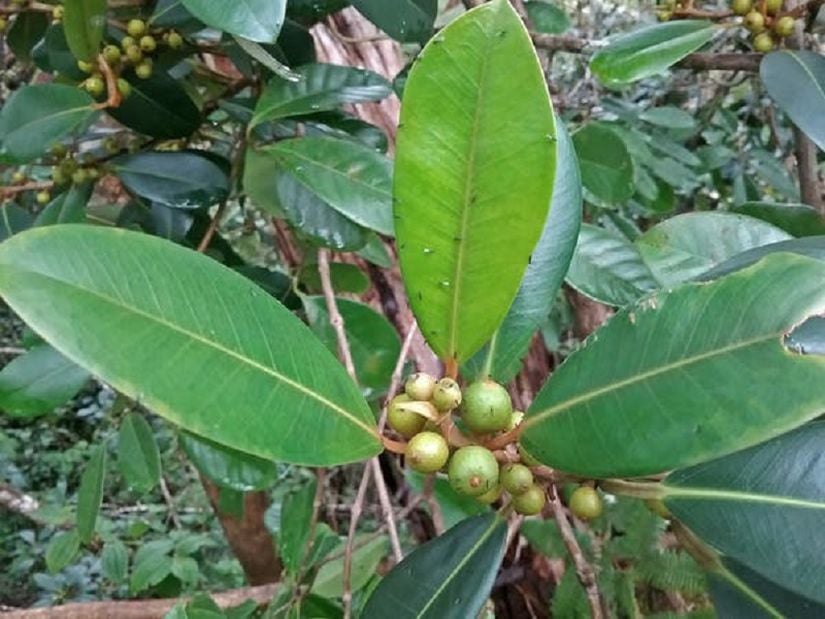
[(28, 28), (114, 561), (606, 166), (795, 219), (404, 20), (468, 192), (448, 577), (707, 390), (62, 550), (13, 219), (138, 457), (375, 252), (669, 117), (151, 565), (813, 247), (172, 14), (84, 22), (158, 107), (90, 493), (256, 20), (795, 79), (547, 18), (100, 294), (67, 208), (345, 277), (296, 518), (649, 51), (311, 11), (227, 467), (36, 117), (38, 381), (52, 54)]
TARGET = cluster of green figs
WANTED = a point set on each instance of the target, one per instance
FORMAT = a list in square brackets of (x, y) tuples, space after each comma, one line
[(427, 411)]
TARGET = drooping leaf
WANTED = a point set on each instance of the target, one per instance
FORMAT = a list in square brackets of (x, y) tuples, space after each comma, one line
[(547, 17), (323, 87), (38, 381), (606, 165), (329, 582), (229, 468), (649, 51), (354, 180), (296, 518), (544, 275), (708, 389), (158, 107), (99, 295), (608, 268), (408, 21), (448, 577), (35, 117), (762, 507), (682, 247), (84, 22), (795, 79), (90, 493), (114, 561), (256, 20), (28, 28), (62, 550), (178, 180), (67, 208), (138, 456), (795, 219), (473, 176)]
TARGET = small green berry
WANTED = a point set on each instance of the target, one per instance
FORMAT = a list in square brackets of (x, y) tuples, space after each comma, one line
[(3, 24), (763, 42), (93, 173), (110, 145), (84, 66), (473, 470), (95, 86), (741, 7), (174, 40), (57, 13), (427, 452), (127, 42), (755, 22), (43, 197), (123, 87), (772, 7), (133, 54), (80, 176), (147, 43), (18, 177), (486, 407), (112, 54), (59, 176), (446, 395), (144, 69), (530, 502), (516, 478), (420, 386), (136, 27), (784, 26), (58, 150), (405, 422), (585, 503)]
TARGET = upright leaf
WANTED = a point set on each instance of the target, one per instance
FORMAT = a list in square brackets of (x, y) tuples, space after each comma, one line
[(697, 377), (263, 383), (606, 165), (473, 175), (114, 561), (84, 22), (296, 518), (795, 79), (256, 20), (138, 456), (90, 494), (229, 468), (448, 577), (404, 20), (762, 507)]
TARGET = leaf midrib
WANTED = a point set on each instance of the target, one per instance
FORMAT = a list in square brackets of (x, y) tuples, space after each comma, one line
[(714, 494), (44, 119)]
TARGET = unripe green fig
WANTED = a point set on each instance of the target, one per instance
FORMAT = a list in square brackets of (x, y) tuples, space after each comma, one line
[(136, 27), (585, 503), (3, 24), (127, 42), (772, 7), (80, 176), (144, 69), (427, 452), (755, 22), (112, 54), (124, 87), (486, 407), (147, 43), (84, 66), (94, 85), (18, 177), (491, 496), (174, 40), (420, 386), (784, 26), (473, 470), (516, 478), (57, 13), (763, 42), (446, 395), (133, 54), (741, 7), (530, 502), (43, 197), (406, 423)]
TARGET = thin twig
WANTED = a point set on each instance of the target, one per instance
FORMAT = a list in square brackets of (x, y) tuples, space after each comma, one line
[(170, 503), (335, 318), (10, 190), (355, 515)]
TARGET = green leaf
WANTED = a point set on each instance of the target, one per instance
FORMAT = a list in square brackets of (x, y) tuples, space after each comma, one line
[(283, 195), (138, 456), (158, 107), (375, 252), (795, 79), (374, 343), (38, 381), (608, 268), (114, 561), (813, 247), (448, 577), (547, 18), (296, 518), (256, 20), (697, 380), (354, 180), (685, 246), (100, 294), (474, 174), (36, 117), (67, 208), (669, 117), (323, 87), (62, 550), (795, 219), (649, 51), (14, 219), (455, 507), (345, 277), (179, 180), (409, 21), (90, 493), (329, 582), (84, 22), (760, 506), (186, 570), (28, 28), (606, 165), (52, 54), (227, 467), (151, 564), (501, 358)]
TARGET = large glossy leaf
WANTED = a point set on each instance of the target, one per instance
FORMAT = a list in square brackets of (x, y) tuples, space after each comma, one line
[(84, 22), (159, 107), (180, 180), (649, 51), (795, 79), (354, 180), (138, 456), (473, 176), (762, 507), (38, 381), (608, 268), (404, 20), (256, 20), (606, 165), (795, 219), (449, 577), (685, 246), (283, 195), (696, 380), (323, 87), (229, 468), (813, 247), (90, 493), (36, 117), (501, 358), (194, 341)]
